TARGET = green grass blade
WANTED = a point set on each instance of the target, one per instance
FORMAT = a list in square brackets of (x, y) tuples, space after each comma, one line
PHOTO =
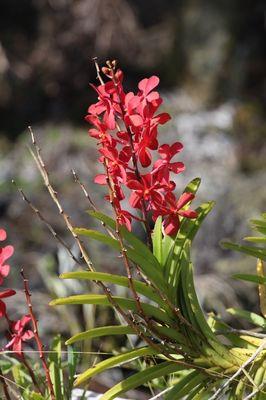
[(142, 377), (113, 362), (55, 368), (72, 362), (102, 331)]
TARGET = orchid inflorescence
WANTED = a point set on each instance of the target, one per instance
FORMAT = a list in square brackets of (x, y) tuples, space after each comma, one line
[(126, 128)]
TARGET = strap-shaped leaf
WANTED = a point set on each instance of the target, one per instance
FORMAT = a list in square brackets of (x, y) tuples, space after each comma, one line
[(135, 242), (249, 316), (250, 250), (251, 278), (150, 270), (142, 377), (262, 287), (140, 287), (113, 362), (255, 239), (187, 232), (102, 331), (101, 299), (185, 385), (193, 186), (55, 367), (157, 238)]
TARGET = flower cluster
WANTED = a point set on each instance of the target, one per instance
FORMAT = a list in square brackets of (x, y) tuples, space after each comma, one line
[(126, 128), (17, 330)]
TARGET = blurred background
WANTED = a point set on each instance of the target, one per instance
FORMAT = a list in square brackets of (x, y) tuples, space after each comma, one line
[(210, 56)]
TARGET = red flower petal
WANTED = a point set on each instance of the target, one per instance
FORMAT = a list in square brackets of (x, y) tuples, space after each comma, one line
[(171, 225), (2, 235), (4, 270), (188, 213), (100, 179), (147, 85), (184, 199), (7, 293)]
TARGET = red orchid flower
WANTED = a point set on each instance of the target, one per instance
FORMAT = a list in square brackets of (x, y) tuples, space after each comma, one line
[(106, 104), (5, 253), (174, 210), (3, 295), (167, 152), (146, 189), (19, 334)]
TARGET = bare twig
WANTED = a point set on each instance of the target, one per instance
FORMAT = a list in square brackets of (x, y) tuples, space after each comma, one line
[(91, 202), (256, 391), (84, 190), (239, 371), (98, 70), (37, 337), (49, 226), (42, 168)]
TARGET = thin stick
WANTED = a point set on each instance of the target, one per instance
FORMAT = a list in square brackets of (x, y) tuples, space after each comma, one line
[(33, 378), (49, 226), (4, 385), (238, 372), (42, 168), (37, 337), (91, 202), (256, 391), (98, 70)]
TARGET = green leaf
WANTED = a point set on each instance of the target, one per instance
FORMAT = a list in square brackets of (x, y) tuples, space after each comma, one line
[(100, 299), (55, 368), (193, 186), (249, 316), (72, 362), (255, 239), (251, 278), (157, 238), (114, 361), (102, 331), (36, 396), (185, 385), (142, 377), (186, 233), (135, 242), (140, 287), (250, 250), (149, 268)]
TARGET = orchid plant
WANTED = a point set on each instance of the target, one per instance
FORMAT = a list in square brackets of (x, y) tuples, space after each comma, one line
[(198, 357)]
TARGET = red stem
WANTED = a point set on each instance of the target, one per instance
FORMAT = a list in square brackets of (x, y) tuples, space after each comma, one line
[(37, 337)]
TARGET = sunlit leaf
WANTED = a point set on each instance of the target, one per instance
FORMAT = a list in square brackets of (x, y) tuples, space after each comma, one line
[(114, 361), (142, 377)]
